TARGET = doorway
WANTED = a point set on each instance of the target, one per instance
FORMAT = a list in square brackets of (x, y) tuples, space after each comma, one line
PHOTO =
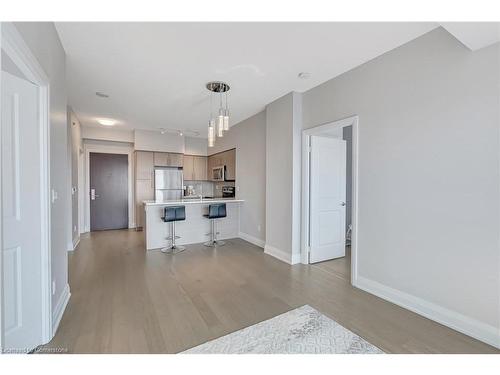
[(108, 191), (329, 204)]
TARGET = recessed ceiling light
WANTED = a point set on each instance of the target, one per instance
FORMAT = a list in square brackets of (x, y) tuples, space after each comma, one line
[(101, 94), (106, 121), (304, 75)]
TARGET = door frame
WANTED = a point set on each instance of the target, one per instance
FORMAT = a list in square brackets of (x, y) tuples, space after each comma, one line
[(16, 48), (305, 217), (109, 149)]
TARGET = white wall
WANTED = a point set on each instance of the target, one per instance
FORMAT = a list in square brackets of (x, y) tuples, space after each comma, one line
[(195, 146), (107, 134), (44, 43), (283, 132), (249, 139), (147, 140), (428, 177)]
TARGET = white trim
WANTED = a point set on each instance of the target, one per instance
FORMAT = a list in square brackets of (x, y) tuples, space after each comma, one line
[(75, 243), (461, 323), (282, 255), (253, 240), (15, 47), (1, 216), (81, 190), (109, 149), (60, 308), (306, 135)]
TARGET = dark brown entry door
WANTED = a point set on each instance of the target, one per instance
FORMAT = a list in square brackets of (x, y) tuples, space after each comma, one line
[(108, 191)]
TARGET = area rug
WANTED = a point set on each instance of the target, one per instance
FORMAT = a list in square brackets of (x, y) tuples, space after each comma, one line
[(300, 331)]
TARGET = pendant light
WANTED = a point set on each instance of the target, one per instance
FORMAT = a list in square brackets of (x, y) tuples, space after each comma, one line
[(217, 125), (211, 133), (226, 117)]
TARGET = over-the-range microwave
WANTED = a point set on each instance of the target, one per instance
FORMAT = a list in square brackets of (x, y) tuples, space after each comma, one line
[(218, 173)]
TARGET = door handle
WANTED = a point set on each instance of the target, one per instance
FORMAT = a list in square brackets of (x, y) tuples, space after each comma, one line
[(342, 203)]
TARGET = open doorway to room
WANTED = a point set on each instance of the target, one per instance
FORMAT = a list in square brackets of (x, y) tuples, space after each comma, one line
[(329, 220)]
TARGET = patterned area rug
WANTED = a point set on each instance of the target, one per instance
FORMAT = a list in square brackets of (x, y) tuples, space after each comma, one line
[(300, 331)]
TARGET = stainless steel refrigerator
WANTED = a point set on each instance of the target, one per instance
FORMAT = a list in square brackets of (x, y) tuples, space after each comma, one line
[(168, 184)]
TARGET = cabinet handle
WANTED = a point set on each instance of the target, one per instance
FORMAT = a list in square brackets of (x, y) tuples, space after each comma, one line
[(153, 180)]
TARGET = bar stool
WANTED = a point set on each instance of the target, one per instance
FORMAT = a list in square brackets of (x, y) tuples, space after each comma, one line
[(215, 211), (171, 215)]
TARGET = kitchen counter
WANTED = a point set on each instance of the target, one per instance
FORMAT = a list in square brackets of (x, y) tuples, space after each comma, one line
[(195, 228), (185, 201)]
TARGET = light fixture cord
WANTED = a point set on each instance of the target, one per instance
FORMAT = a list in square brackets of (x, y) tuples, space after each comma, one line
[(211, 106), (220, 104)]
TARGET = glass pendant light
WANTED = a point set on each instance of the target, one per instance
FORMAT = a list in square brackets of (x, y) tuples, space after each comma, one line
[(226, 117), (220, 124), (220, 119), (211, 133)]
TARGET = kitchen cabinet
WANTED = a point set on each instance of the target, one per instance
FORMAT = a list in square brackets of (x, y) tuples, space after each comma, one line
[(227, 158), (144, 190), (144, 166), (195, 168), (230, 163), (200, 168), (188, 169), (168, 159), (175, 160)]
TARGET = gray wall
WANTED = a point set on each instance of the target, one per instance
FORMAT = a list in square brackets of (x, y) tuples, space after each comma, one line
[(283, 165), (75, 144), (195, 146), (249, 139), (428, 173), (44, 43)]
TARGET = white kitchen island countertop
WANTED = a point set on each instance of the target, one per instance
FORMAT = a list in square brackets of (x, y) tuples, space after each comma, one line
[(192, 201)]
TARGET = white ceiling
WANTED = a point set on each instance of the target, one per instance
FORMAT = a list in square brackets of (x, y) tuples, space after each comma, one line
[(474, 35), (155, 73)]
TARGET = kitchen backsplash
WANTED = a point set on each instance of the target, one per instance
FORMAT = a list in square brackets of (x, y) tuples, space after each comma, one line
[(204, 188)]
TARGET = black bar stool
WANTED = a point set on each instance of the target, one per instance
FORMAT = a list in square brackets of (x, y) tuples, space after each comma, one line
[(215, 211), (171, 215)]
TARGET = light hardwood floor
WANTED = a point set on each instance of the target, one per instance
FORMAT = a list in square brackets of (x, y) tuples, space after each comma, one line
[(127, 300)]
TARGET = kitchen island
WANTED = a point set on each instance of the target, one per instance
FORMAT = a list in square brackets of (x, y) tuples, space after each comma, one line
[(195, 228)]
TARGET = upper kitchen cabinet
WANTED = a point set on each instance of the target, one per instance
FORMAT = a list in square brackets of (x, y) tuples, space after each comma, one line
[(200, 168), (144, 165), (230, 163), (175, 160), (226, 158), (188, 168), (168, 159), (195, 168)]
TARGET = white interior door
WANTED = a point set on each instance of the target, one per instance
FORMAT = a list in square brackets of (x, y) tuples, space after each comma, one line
[(327, 199), (21, 200)]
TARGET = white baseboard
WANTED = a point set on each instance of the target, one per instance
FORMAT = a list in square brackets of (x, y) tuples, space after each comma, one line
[(282, 255), (58, 311), (461, 323), (253, 240), (75, 243)]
